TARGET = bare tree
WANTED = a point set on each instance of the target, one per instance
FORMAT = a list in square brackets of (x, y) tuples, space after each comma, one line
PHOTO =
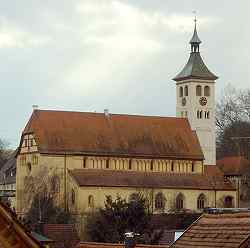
[(233, 122)]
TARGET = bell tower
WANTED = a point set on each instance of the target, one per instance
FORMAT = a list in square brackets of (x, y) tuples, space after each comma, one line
[(195, 99)]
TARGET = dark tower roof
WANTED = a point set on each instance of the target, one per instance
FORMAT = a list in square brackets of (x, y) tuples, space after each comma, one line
[(195, 67), (195, 38)]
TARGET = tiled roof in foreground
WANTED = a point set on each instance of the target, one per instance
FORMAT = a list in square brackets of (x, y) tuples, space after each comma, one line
[(115, 178), (217, 230), (13, 233), (60, 132), (112, 245)]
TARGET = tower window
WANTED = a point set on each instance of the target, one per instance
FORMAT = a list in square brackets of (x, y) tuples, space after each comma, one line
[(181, 91), (207, 115), (186, 90), (199, 114), (198, 90), (207, 91)]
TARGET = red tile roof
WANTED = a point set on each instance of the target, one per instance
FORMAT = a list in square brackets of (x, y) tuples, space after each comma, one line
[(63, 235), (13, 233), (124, 135), (234, 166), (111, 245), (213, 171), (115, 178), (217, 230)]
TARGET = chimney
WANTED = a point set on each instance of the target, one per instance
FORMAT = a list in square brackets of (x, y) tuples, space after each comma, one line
[(106, 112), (34, 107)]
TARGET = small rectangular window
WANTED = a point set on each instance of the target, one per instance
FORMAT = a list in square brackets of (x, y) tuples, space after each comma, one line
[(84, 162), (34, 159), (107, 163), (192, 167), (172, 166), (130, 164), (152, 165)]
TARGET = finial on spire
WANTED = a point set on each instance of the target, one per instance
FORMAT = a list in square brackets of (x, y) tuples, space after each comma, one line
[(195, 41), (195, 19)]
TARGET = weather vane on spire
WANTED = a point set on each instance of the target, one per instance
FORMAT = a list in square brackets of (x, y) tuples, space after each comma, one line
[(195, 41), (194, 12)]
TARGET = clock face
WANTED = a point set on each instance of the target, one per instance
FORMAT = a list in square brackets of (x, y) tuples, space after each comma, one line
[(203, 101), (183, 101)]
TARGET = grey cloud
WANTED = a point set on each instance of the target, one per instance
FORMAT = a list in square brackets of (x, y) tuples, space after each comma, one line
[(85, 65)]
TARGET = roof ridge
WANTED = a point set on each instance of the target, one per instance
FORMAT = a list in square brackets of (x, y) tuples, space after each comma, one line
[(102, 113)]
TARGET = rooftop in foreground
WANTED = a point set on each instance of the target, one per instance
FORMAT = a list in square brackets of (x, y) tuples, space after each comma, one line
[(220, 229)]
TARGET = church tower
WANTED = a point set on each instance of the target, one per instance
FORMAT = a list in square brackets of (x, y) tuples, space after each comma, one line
[(195, 99)]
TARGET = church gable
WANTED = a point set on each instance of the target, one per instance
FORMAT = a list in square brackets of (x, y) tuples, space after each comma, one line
[(61, 132)]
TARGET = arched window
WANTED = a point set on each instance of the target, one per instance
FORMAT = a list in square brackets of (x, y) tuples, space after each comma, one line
[(159, 201), (73, 197), (201, 201), (186, 90), (228, 202), (181, 91), (179, 201), (134, 197), (199, 114), (91, 201), (198, 90), (206, 91)]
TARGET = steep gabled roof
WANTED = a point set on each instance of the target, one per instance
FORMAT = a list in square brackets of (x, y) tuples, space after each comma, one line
[(61, 132), (217, 230), (195, 69), (115, 178), (13, 233)]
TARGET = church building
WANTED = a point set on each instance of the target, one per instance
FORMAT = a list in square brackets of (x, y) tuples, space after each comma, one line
[(81, 157)]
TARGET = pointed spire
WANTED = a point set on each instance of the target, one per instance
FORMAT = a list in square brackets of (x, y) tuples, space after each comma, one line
[(195, 41)]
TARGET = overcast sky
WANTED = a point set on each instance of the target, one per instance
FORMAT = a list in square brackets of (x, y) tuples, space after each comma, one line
[(88, 55)]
